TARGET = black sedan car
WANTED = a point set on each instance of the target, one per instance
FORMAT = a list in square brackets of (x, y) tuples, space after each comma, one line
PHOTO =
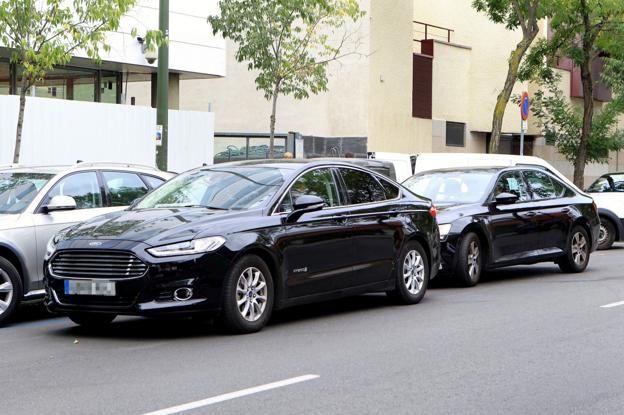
[(243, 239), (495, 217)]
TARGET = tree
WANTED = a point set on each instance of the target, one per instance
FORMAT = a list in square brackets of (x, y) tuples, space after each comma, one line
[(288, 42), (513, 13), (561, 120), (42, 34), (583, 31)]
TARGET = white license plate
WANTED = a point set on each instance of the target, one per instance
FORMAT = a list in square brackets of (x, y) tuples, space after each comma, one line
[(90, 287)]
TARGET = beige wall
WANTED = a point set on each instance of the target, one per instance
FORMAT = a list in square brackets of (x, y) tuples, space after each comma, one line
[(391, 126), (239, 107)]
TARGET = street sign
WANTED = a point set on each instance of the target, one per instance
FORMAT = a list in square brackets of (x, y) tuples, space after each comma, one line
[(524, 106)]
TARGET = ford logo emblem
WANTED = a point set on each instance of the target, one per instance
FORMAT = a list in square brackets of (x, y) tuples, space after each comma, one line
[(95, 243)]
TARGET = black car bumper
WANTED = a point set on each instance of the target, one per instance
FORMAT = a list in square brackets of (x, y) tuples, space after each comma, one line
[(149, 294)]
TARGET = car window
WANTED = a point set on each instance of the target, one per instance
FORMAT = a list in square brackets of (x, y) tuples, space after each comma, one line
[(560, 189), (600, 186), (618, 182), (541, 185), (318, 182), (361, 187), (152, 181), (17, 190), (83, 187), (513, 183), (392, 192), (124, 188)]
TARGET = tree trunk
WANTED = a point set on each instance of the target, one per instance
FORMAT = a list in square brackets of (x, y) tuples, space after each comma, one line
[(272, 126), (503, 97), (20, 121), (588, 116)]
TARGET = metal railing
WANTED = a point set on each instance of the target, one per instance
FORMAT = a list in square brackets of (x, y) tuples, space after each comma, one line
[(247, 150), (427, 27)]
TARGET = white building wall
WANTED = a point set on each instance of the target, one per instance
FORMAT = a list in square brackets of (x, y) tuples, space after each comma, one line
[(62, 132)]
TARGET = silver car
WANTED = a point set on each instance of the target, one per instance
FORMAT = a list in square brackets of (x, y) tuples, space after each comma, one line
[(38, 202)]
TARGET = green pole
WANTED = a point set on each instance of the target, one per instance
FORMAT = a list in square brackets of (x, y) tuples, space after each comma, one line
[(162, 87)]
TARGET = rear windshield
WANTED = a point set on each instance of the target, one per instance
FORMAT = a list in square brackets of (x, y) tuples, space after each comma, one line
[(451, 187), (17, 190)]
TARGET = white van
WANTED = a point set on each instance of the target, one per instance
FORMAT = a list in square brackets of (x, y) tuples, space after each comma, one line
[(406, 165)]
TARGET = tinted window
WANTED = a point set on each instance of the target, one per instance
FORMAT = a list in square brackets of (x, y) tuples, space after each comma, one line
[(362, 187), (560, 189), (541, 185), (153, 182), (618, 182), (124, 188), (319, 182), (83, 187), (392, 192), (513, 183), (599, 186), (452, 187), (455, 133)]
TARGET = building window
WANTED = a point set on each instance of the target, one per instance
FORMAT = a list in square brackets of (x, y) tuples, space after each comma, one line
[(455, 134), (5, 78)]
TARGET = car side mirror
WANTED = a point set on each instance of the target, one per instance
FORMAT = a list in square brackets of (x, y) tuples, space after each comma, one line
[(304, 204), (506, 199), (59, 203)]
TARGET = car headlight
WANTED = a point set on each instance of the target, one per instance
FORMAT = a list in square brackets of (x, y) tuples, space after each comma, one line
[(444, 230), (51, 246), (196, 246)]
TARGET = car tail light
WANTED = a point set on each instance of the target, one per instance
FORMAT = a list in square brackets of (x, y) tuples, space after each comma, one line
[(433, 211)]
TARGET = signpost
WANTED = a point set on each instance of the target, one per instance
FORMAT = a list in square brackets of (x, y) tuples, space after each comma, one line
[(524, 115)]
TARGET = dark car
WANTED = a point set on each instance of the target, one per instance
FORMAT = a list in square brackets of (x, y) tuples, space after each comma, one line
[(244, 239), (495, 217)]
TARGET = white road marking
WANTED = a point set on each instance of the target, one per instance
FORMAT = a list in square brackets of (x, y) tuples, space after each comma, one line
[(611, 305), (232, 395)]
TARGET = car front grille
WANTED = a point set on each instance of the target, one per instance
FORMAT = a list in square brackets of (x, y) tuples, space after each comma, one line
[(97, 264)]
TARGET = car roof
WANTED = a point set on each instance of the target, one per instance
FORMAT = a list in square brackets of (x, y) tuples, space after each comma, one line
[(293, 164), (57, 169)]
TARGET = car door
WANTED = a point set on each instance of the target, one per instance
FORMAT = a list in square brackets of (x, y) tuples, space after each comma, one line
[(513, 228), (122, 188), (376, 230), (317, 251), (551, 200), (88, 193)]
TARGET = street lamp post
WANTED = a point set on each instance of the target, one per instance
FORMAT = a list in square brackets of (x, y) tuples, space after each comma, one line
[(162, 87)]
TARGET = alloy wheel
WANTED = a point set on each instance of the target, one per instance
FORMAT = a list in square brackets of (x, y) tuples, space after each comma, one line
[(579, 248), (251, 294), (474, 260), (6, 291), (413, 272), (603, 235)]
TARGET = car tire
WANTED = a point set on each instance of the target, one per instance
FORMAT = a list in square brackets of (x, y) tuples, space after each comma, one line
[(607, 234), (248, 296), (577, 251), (412, 275), (11, 290), (469, 260), (92, 320)]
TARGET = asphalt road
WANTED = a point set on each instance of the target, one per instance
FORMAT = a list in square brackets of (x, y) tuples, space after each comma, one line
[(526, 340)]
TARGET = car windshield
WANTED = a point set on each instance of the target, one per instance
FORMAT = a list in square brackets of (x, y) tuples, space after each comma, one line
[(17, 190), (612, 183), (451, 187), (224, 188)]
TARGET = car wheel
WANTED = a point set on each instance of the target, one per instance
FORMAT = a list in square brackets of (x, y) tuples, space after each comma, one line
[(606, 237), (11, 291), (412, 277), (577, 251), (247, 296), (470, 260), (92, 320)]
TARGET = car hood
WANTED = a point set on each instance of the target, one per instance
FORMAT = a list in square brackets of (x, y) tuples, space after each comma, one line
[(451, 212), (158, 226)]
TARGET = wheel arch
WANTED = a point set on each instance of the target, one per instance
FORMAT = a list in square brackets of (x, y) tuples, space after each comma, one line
[(422, 240), (617, 222), (10, 254), (271, 262), (485, 242), (584, 223)]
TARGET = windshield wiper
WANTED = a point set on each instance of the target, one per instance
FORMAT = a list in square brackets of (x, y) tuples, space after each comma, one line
[(190, 206)]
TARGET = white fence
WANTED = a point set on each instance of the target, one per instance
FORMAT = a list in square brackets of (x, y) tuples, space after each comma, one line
[(61, 132)]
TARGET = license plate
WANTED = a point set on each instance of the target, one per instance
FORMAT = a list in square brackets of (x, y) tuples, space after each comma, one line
[(96, 288)]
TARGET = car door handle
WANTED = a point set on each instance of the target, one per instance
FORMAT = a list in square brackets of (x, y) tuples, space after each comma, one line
[(566, 210), (340, 219), (530, 214)]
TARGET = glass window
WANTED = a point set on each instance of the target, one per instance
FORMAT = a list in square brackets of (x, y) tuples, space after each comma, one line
[(17, 190), (124, 188), (513, 183), (560, 189), (5, 78), (362, 187), (541, 185), (65, 83), (108, 89), (618, 182), (153, 181), (600, 186), (455, 134), (83, 187), (392, 192), (319, 182), (218, 188), (452, 187)]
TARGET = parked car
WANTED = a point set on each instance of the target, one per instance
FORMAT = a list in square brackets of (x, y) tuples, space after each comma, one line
[(243, 239), (406, 165), (492, 217), (608, 193), (383, 167), (37, 202)]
